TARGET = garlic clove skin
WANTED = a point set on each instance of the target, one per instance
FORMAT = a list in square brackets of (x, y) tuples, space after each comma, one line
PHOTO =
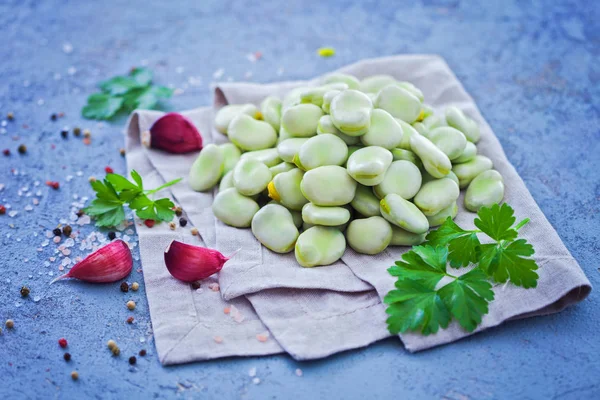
[(190, 263), (110, 263), (174, 133)]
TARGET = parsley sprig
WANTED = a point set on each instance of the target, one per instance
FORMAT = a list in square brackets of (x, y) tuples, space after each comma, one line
[(428, 297), (116, 191), (125, 93)]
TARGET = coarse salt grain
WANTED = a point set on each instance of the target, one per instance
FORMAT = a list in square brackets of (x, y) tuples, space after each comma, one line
[(218, 339), (252, 372), (256, 381), (236, 315)]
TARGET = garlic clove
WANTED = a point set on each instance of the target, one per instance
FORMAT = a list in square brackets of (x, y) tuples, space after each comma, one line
[(174, 133), (110, 263), (192, 263)]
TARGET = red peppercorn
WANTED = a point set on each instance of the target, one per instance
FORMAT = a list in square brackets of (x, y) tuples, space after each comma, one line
[(149, 223), (108, 170), (142, 352), (6, 152), (130, 320), (62, 342), (2, 210), (53, 184)]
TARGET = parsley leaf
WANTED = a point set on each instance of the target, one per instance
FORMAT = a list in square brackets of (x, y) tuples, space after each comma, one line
[(509, 263), (118, 85), (146, 98), (497, 222), (413, 306), (101, 106), (463, 246), (467, 298), (142, 76), (424, 263)]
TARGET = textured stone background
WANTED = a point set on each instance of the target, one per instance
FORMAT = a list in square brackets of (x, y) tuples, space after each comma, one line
[(532, 67)]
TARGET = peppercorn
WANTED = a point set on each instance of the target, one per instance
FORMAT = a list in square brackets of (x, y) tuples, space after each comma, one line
[(142, 353), (74, 375), (80, 212), (124, 287), (9, 324), (122, 152), (62, 342), (10, 116), (182, 221), (2, 210), (195, 285), (25, 291), (178, 211), (135, 286), (130, 320), (111, 235), (131, 305), (132, 360), (57, 232), (108, 170), (149, 223), (64, 133), (6, 152), (54, 117), (172, 225), (77, 131), (111, 344), (22, 149), (115, 351), (67, 230), (194, 231), (86, 133), (67, 357)]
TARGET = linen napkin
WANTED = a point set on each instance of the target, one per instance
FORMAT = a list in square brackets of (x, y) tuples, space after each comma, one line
[(311, 313)]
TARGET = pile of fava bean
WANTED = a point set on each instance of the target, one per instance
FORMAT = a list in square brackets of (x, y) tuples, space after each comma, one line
[(365, 163)]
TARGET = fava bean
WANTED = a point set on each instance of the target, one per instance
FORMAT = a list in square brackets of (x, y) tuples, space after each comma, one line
[(407, 132), (436, 195), (269, 157), (457, 119), (369, 164), (349, 80), (385, 131), (226, 181), (412, 89), (270, 109), (401, 237), (485, 189), (403, 213), (327, 97), (315, 95), (439, 218), (248, 133), (407, 155), (234, 209), (301, 120), (399, 102), (449, 140), (369, 235), (320, 245), (365, 202), (326, 216), (292, 98), (282, 167), (466, 172), (327, 126), (251, 177), (402, 178), (227, 113), (435, 161), (231, 155), (289, 148), (320, 150), (273, 226), (375, 83), (328, 186), (468, 154), (285, 188), (207, 169), (351, 112), (283, 135)]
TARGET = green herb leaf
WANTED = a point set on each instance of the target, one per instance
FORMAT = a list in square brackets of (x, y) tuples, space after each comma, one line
[(101, 106), (467, 298), (118, 85), (159, 210), (146, 98), (497, 222), (142, 76), (137, 178), (463, 246), (509, 262), (426, 264), (414, 306)]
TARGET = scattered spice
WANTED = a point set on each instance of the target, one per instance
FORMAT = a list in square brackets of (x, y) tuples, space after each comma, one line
[(67, 230), (124, 287), (142, 353), (2, 210), (226, 310), (214, 287), (10, 116), (111, 344), (80, 212), (194, 231), (67, 357), (9, 324), (262, 337), (57, 232), (87, 141), (182, 221), (87, 134), (111, 235), (108, 170), (130, 320), (74, 375), (132, 360), (92, 179), (53, 184), (22, 149), (115, 351), (135, 286), (195, 285), (178, 211), (64, 133), (149, 223), (218, 339), (122, 152), (54, 117), (25, 291), (131, 305), (77, 131), (172, 225), (6, 152), (62, 342)]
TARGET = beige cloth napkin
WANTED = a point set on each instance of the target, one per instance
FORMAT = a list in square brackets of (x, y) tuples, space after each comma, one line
[(311, 313)]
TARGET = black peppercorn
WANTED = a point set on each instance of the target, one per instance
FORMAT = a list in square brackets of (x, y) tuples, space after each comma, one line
[(182, 221), (67, 230), (80, 213), (122, 152), (195, 285), (112, 235), (25, 291), (10, 116), (132, 360), (124, 287), (22, 149), (57, 232), (142, 352), (77, 131), (64, 133), (67, 356), (53, 117)]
